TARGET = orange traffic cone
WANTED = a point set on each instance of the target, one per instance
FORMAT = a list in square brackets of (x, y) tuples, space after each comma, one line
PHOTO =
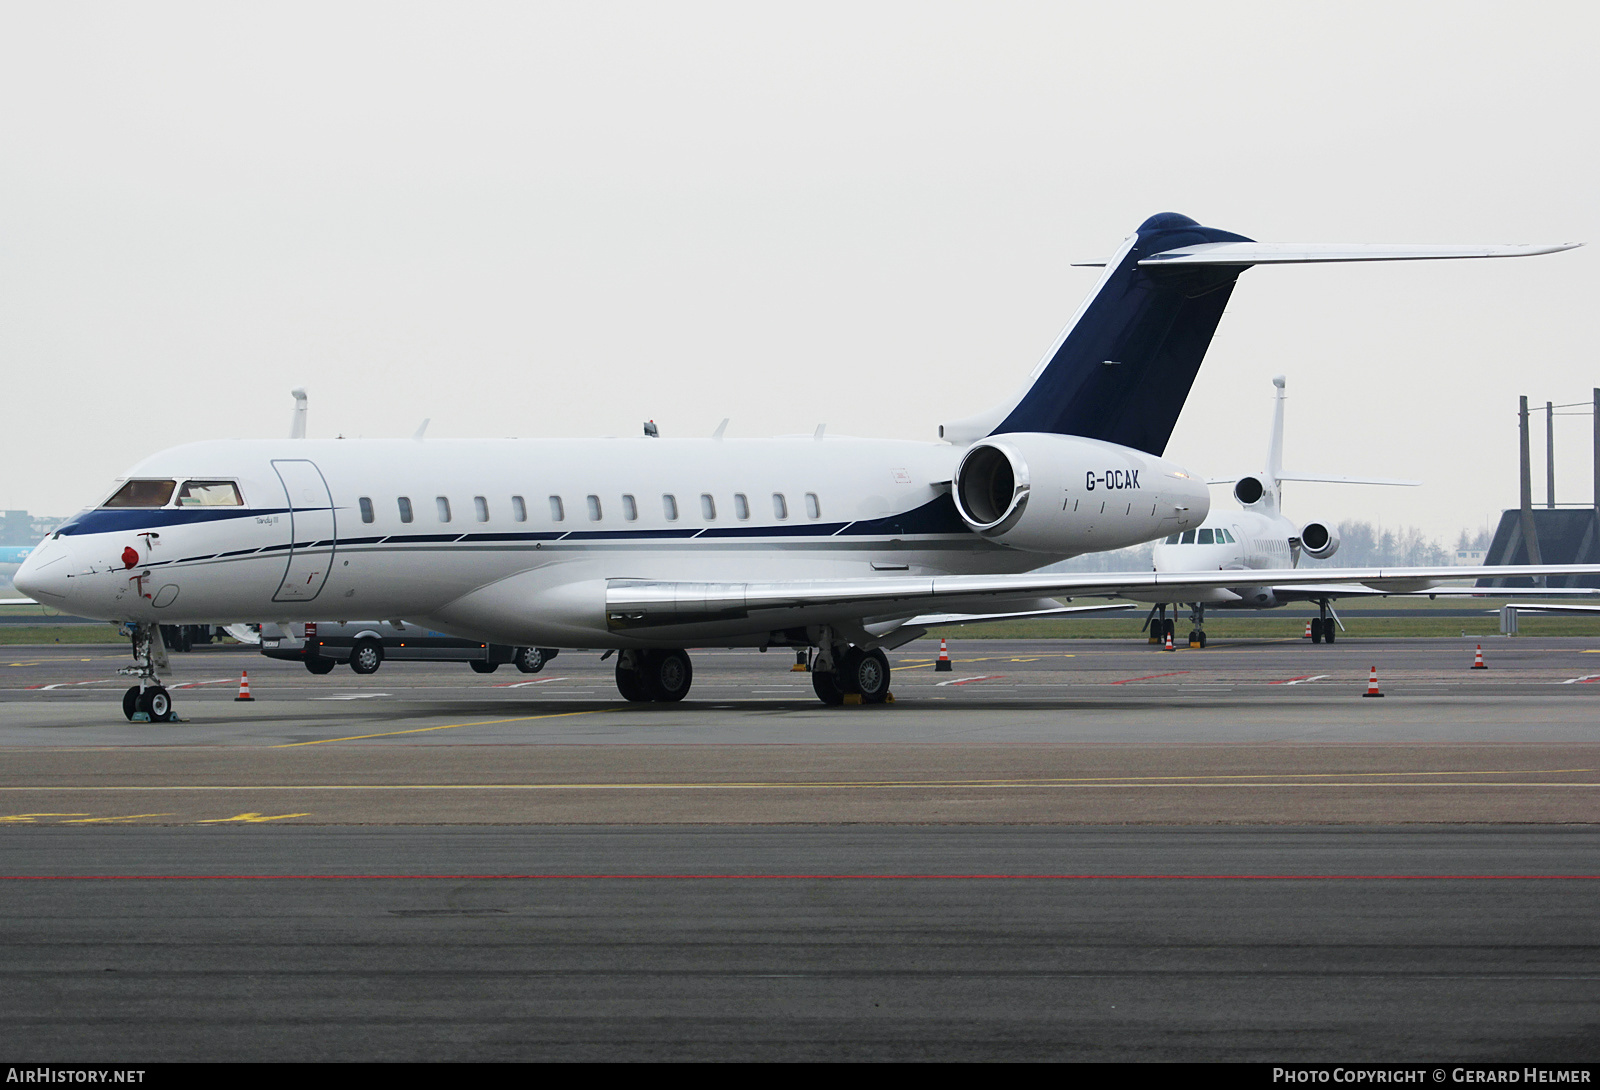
[(1308, 630), (1477, 659), (244, 687), (1372, 684), (1168, 646), (943, 665)]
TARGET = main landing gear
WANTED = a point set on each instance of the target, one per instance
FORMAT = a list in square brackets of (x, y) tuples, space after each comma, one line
[(1161, 626), (844, 670), (1323, 627), (663, 676), (148, 701)]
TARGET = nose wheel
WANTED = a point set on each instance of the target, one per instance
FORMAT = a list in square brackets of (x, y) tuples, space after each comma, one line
[(148, 701), (152, 705)]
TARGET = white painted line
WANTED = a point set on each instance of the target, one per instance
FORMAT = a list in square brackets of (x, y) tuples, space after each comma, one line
[(524, 684), (1303, 680), (1576, 680), (970, 680), (352, 696)]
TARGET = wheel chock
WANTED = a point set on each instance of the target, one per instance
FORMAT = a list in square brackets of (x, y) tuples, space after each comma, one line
[(888, 698), (140, 717), (852, 698)]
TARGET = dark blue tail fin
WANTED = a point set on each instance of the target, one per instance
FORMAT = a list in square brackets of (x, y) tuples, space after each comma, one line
[(1122, 370)]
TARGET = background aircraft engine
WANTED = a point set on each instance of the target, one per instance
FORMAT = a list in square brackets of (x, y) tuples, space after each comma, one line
[(1248, 490), (1062, 494), (1319, 540)]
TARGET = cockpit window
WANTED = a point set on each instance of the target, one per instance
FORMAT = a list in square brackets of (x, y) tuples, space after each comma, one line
[(1173, 540), (1188, 538), (142, 494), (1205, 537), (209, 494)]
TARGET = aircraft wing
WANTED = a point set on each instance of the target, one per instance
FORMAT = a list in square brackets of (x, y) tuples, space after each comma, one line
[(17, 602), (636, 604), (932, 620), (1313, 591)]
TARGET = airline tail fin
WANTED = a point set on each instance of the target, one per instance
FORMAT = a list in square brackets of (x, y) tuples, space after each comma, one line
[(1122, 369)]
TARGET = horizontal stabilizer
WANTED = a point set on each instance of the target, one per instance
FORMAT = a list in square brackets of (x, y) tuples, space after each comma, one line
[(1325, 478), (1299, 253), (1330, 478)]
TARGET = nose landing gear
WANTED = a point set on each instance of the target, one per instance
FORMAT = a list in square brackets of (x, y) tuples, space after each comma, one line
[(148, 701)]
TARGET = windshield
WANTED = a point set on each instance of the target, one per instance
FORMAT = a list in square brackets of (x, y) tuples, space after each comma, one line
[(142, 494), (209, 494)]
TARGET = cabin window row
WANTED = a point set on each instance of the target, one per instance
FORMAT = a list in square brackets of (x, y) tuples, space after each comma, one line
[(596, 509), (1207, 536)]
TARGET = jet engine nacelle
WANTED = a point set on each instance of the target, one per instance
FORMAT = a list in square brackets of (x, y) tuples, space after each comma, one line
[(1318, 540), (1248, 490), (1061, 494)]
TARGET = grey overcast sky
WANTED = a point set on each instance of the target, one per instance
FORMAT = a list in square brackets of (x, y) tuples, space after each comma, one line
[(561, 219)]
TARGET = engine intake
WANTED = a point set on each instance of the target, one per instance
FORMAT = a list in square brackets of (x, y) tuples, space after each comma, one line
[(991, 488), (1319, 540)]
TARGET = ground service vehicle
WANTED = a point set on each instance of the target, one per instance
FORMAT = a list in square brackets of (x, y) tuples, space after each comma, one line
[(322, 645)]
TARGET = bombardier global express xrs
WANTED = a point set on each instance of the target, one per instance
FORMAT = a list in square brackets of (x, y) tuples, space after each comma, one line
[(647, 546)]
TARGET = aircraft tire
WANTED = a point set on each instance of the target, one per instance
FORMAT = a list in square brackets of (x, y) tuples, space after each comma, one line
[(1316, 630), (320, 665), (1202, 634), (1327, 631), (1168, 627), (481, 667), (156, 702), (668, 675), (630, 683), (826, 686), (870, 677), (366, 657), (130, 702)]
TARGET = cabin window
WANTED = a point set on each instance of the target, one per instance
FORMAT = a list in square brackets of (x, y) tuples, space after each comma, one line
[(1173, 540), (630, 510), (443, 504), (708, 506), (367, 514), (741, 506), (558, 512), (405, 508), (142, 494), (780, 506), (813, 505), (480, 507), (594, 508), (1205, 537), (1188, 537), (209, 494), (669, 506), (519, 510)]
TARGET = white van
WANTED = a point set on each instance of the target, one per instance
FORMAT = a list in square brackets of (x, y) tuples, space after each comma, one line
[(322, 645)]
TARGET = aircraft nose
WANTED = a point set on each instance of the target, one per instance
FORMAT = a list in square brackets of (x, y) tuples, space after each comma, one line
[(43, 575)]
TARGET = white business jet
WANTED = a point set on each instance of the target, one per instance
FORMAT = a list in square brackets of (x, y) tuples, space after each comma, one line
[(647, 546), (1260, 536)]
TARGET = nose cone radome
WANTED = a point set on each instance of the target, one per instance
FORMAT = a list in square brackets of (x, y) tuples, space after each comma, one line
[(43, 575)]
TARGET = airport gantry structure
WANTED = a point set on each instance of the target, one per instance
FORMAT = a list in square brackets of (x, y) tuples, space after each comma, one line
[(1555, 533)]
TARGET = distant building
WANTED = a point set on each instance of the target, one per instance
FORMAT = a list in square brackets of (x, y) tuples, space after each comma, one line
[(20, 528), (1470, 558)]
